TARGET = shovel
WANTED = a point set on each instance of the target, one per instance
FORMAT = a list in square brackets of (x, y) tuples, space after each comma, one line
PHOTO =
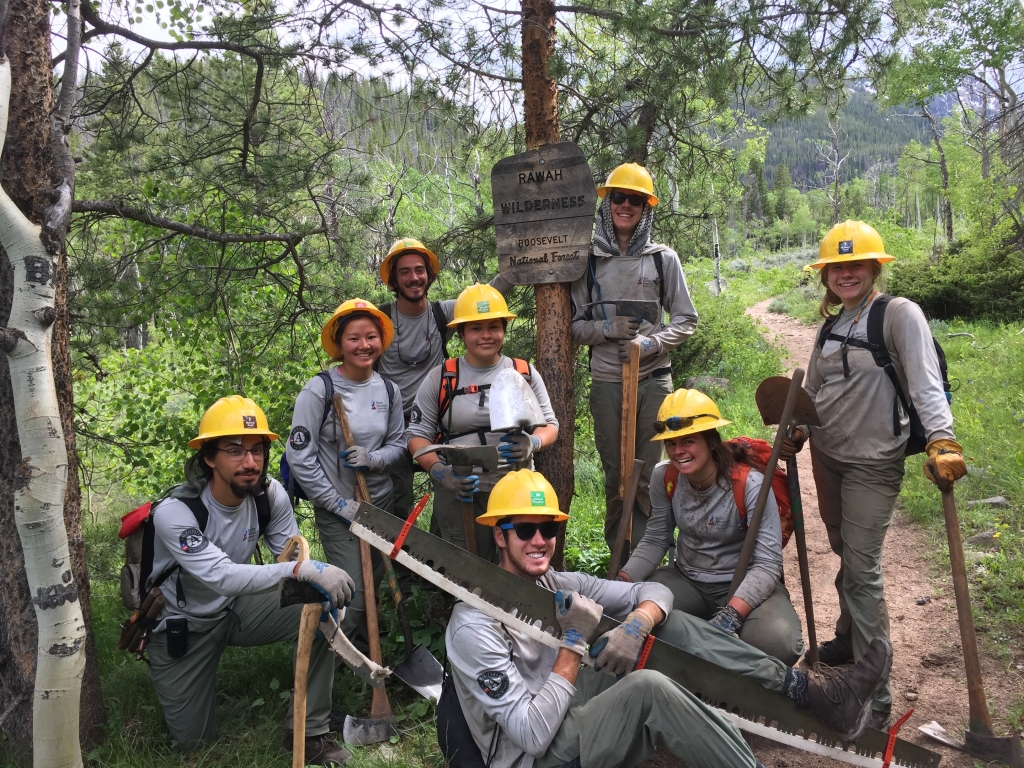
[(513, 403), (771, 399), (754, 520)]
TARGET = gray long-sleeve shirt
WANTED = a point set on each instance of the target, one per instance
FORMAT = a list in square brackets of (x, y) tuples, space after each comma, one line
[(710, 535), (856, 413), (214, 564), (313, 449), (418, 346), (504, 679), (633, 277)]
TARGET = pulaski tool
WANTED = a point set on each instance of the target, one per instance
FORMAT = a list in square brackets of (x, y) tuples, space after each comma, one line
[(645, 309), (530, 609), (463, 458)]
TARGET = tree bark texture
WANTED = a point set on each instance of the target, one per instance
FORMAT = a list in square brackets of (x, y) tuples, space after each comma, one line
[(555, 353)]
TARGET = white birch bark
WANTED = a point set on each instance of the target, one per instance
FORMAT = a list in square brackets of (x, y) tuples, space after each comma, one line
[(40, 481)]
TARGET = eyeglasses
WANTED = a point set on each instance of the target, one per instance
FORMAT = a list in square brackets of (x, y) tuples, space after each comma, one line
[(680, 422), (237, 452), (398, 349), (635, 200), (526, 531)]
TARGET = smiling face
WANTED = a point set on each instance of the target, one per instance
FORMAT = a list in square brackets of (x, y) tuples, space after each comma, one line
[(411, 277), (689, 454), (851, 281), (483, 341), (625, 215), (529, 559), (361, 345)]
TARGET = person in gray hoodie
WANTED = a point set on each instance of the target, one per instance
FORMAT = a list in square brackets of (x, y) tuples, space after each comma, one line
[(624, 263)]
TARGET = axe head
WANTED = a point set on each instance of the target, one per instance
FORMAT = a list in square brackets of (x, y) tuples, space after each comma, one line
[(645, 309), (360, 732), (771, 399), (485, 456)]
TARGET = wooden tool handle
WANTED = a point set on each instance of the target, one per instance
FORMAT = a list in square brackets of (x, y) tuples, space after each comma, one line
[(797, 508), (626, 520), (627, 427), (379, 705), (297, 548)]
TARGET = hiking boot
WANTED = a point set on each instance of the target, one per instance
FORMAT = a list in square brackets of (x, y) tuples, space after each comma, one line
[(842, 700), (321, 750), (880, 719), (838, 650)]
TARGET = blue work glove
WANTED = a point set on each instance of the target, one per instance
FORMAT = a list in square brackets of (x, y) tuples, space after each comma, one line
[(617, 651), (578, 617), (462, 486), (358, 457), (517, 448), (332, 582), (728, 620)]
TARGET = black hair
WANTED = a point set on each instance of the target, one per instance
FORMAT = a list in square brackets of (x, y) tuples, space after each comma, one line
[(460, 326)]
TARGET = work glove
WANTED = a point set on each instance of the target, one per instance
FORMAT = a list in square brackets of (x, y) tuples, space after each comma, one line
[(617, 651), (621, 327), (515, 448), (333, 583), (358, 457), (346, 509), (648, 346), (578, 616), (945, 463), (728, 620), (462, 486), (793, 444)]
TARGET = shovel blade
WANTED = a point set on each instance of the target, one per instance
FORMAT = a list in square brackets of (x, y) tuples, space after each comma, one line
[(771, 399), (360, 732), (513, 403), (421, 672)]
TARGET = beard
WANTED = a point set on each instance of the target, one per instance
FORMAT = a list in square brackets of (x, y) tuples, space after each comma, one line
[(243, 487), (422, 291)]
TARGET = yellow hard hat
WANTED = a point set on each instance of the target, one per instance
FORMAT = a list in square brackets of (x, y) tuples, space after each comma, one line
[(851, 241), (630, 176), (523, 492), (402, 247), (685, 412), (233, 415), (354, 305), (480, 302)]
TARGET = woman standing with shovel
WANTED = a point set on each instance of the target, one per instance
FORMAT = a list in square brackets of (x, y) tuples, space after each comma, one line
[(452, 407), (876, 382)]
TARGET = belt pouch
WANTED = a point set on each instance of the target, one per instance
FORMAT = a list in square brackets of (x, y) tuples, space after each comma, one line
[(177, 638)]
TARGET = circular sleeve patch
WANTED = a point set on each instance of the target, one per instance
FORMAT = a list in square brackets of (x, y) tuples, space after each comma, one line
[(192, 541), (299, 439), (494, 683), (415, 415)]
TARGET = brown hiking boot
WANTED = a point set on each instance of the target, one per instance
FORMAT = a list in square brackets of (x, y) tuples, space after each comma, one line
[(842, 700), (321, 750), (838, 650)]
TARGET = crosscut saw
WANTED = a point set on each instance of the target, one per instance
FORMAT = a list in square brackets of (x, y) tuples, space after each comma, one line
[(530, 609)]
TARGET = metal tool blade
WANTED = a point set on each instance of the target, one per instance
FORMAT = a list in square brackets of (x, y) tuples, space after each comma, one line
[(363, 731), (513, 403), (771, 398), (530, 609), (421, 672), (645, 309)]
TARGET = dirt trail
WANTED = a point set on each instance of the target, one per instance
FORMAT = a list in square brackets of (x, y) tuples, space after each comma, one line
[(920, 633)]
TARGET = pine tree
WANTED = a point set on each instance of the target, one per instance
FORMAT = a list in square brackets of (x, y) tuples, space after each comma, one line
[(783, 183)]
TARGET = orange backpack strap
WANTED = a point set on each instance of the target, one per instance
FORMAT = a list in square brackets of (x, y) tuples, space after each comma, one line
[(522, 367), (740, 471), (446, 390), (671, 480)]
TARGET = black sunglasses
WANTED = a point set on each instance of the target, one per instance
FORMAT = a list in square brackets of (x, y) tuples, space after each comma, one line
[(526, 531), (635, 200), (680, 422)]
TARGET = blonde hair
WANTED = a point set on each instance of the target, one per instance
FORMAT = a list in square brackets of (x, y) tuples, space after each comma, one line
[(830, 299)]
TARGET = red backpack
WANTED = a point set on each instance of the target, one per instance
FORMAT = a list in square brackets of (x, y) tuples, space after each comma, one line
[(757, 453)]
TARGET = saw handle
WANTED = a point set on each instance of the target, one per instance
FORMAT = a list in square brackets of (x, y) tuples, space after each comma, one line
[(297, 548)]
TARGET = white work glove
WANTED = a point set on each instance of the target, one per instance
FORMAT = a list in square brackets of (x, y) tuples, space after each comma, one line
[(517, 448), (332, 582), (617, 651), (648, 346), (578, 616), (358, 457), (462, 486), (621, 327), (346, 509)]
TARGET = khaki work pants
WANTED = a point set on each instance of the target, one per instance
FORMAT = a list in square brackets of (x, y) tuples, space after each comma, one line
[(187, 687), (773, 626), (447, 522), (856, 502), (606, 410)]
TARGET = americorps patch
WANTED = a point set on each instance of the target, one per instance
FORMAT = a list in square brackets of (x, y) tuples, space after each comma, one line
[(299, 438), (494, 683), (415, 415), (192, 541)]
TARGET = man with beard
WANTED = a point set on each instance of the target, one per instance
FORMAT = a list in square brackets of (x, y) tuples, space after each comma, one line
[(421, 336), (206, 532), (625, 263)]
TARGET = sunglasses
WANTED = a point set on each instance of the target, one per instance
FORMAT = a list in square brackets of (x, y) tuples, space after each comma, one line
[(526, 531), (618, 198), (680, 422)]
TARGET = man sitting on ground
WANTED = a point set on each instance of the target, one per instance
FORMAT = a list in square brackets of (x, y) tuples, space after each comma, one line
[(529, 705), (214, 597)]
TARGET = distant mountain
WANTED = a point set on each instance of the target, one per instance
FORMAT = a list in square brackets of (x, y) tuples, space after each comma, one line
[(869, 133)]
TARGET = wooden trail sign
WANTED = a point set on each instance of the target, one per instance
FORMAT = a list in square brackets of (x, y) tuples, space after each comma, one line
[(544, 204)]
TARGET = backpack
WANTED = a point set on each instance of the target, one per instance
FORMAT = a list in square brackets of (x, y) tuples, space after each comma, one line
[(139, 534), (295, 492), (449, 389), (757, 455), (876, 345), (440, 320)]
